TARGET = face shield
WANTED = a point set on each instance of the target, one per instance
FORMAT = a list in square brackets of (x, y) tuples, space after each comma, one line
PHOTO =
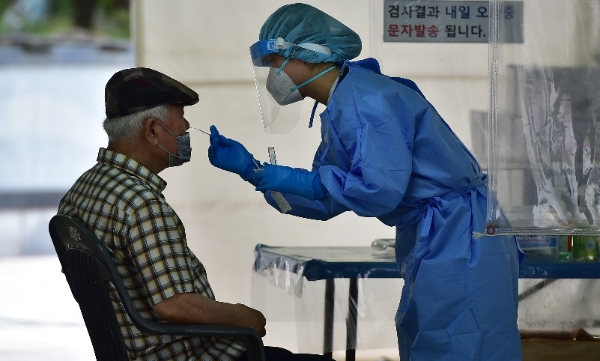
[(278, 96)]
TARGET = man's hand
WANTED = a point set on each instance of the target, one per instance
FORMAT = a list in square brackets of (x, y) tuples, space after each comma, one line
[(251, 318)]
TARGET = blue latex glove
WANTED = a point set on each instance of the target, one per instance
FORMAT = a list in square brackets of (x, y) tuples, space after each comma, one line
[(290, 180), (231, 156)]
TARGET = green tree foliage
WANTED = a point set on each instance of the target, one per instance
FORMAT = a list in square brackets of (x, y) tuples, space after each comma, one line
[(105, 18)]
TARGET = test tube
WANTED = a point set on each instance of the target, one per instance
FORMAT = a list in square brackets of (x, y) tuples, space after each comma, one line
[(272, 156), (283, 205)]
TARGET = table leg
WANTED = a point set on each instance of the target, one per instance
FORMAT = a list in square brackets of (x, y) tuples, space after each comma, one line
[(328, 327), (352, 320)]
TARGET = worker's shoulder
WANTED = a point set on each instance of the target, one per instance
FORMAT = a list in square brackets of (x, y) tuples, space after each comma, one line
[(367, 80)]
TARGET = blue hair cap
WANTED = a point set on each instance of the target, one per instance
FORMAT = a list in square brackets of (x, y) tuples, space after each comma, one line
[(302, 24)]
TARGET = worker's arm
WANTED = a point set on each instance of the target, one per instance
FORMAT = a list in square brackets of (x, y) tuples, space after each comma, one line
[(197, 309)]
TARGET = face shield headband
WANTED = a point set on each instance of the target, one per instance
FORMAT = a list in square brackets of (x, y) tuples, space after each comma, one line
[(262, 48)]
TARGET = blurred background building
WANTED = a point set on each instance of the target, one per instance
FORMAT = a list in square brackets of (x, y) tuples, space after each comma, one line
[(55, 57)]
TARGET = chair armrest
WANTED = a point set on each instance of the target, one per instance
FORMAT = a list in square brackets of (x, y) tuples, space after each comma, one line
[(251, 340)]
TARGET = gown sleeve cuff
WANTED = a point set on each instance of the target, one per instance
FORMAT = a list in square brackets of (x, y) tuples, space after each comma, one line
[(319, 190)]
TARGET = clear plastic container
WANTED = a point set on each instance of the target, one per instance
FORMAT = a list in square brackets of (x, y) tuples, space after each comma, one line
[(539, 246)]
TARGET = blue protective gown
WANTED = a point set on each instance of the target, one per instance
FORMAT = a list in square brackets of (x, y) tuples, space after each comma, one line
[(387, 153)]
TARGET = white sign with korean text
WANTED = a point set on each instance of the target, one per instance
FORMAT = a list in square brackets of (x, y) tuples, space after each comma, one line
[(448, 21)]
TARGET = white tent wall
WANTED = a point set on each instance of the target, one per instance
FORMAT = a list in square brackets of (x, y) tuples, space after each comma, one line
[(205, 44)]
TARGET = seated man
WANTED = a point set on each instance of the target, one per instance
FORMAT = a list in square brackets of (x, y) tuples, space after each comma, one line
[(120, 199)]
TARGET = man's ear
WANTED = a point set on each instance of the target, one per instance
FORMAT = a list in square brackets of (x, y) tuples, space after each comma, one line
[(149, 130)]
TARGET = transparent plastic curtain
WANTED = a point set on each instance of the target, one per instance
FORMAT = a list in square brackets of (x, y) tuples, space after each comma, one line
[(544, 132), (295, 305)]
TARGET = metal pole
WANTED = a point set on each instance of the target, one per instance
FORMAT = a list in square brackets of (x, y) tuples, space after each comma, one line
[(352, 320), (328, 327)]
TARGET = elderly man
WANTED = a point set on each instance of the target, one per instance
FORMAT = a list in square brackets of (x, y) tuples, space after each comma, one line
[(120, 199)]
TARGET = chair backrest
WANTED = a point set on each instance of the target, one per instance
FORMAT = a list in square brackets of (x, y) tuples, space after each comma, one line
[(89, 268), (84, 262)]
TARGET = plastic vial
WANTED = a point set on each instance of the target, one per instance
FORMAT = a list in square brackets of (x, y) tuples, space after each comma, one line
[(565, 248), (279, 199)]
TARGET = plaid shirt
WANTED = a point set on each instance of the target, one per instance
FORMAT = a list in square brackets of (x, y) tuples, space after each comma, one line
[(122, 202)]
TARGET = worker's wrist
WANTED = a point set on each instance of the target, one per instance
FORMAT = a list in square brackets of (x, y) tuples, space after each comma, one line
[(248, 172), (308, 185)]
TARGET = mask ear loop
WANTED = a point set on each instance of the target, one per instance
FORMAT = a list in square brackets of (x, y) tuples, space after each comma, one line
[(312, 114), (282, 65), (314, 109), (314, 77)]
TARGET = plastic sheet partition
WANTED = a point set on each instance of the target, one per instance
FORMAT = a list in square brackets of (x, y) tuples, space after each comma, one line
[(308, 292), (544, 162), (331, 298), (318, 263)]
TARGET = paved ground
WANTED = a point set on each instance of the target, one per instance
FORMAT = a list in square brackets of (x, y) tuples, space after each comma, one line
[(33, 330)]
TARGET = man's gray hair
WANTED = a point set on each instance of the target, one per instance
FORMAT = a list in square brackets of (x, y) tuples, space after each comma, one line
[(128, 126)]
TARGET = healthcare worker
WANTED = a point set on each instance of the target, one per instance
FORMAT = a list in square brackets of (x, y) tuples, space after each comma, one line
[(385, 152)]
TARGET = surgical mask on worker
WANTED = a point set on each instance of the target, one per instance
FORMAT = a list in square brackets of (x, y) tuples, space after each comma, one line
[(184, 149), (282, 88), (279, 99)]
